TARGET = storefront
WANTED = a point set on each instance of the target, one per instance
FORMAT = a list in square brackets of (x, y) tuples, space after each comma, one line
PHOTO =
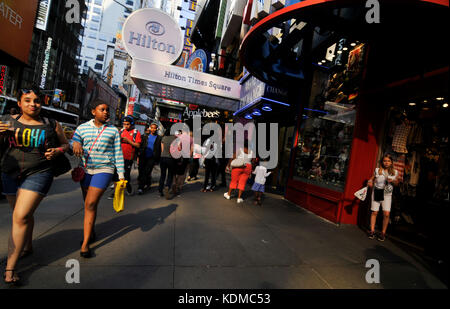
[(355, 81)]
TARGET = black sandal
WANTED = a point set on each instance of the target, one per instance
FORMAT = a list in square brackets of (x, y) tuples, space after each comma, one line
[(14, 282)]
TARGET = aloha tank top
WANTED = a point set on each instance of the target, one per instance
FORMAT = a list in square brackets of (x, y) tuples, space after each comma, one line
[(26, 148)]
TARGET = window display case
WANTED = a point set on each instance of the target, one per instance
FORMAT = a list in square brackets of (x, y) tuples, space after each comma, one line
[(326, 130)]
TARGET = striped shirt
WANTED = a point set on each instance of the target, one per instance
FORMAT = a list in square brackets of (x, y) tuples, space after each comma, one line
[(107, 152)]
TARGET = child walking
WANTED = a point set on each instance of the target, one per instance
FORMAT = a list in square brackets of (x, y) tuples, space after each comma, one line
[(260, 181), (98, 143)]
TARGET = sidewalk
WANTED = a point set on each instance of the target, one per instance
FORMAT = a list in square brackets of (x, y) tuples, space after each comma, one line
[(201, 240)]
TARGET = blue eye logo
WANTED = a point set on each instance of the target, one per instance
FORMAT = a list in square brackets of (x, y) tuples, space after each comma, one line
[(155, 28)]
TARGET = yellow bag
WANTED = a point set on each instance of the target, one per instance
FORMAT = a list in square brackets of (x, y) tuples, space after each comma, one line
[(119, 195)]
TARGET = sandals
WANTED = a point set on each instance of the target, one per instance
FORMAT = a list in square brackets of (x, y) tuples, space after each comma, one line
[(15, 281)]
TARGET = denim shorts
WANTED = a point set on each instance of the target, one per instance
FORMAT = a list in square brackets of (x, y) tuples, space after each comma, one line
[(100, 180), (38, 182)]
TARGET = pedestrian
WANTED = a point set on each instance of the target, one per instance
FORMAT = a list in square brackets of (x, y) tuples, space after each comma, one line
[(149, 156), (195, 164), (167, 165), (221, 166), (210, 149), (98, 144), (240, 173), (27, 170), (131, 140), (260, 181), (382, 182), (181, 164)]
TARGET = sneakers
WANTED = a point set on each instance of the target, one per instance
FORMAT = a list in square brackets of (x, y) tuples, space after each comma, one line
[(226, 195), (239, 200), (381, 237), (140, 192), (371, 235)]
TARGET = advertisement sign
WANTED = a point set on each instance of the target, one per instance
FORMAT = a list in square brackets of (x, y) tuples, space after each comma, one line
[(42, 14), (152, 35), (119, 46), (45, 64), (57, 97), (198, 61), (253, 89), (3, 75), (17, 19)]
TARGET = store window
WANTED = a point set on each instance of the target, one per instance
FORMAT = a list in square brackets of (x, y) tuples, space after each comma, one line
[(416, 135), (328, 119)]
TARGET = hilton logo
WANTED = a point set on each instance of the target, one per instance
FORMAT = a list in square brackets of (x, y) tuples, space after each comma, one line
[(146, 41), (155, 28)]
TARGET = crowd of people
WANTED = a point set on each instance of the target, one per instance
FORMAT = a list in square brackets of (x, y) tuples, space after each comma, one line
[(31, 145)]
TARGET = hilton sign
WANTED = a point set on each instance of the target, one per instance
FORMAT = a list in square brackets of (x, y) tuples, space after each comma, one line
[(152, 35)]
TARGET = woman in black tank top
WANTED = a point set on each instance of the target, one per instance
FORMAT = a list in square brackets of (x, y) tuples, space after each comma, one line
[(27, 171)]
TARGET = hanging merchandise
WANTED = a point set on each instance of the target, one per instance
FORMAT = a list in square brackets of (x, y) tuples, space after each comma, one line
[(399, 165), (415, 169), (400, 137)]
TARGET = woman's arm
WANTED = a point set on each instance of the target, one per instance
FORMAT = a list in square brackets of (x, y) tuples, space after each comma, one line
[(118, 156), (51, 153)]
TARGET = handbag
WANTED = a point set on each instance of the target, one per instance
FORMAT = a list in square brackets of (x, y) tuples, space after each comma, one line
[(78, 172), (361, 194), (119, 195), (60, 164), (388, 188), (237, 163)]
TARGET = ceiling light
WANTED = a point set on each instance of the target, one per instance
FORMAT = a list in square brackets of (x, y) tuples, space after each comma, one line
[(256, 112), (425, 101), (440, 98), (339, 51), (353, 44), (248, 117), (266, 108), (445, 105), (412, 104), (345, 48)]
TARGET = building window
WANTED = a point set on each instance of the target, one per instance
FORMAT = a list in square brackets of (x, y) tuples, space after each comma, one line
[(97, 10), (98, 2), (98, 66), (100, 57), (129, 2)]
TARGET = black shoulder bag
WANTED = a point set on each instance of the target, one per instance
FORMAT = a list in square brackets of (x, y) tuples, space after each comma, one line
[(60, 164)]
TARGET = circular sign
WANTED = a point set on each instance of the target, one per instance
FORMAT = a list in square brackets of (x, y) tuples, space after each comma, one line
[(198, 61), (152, 35)]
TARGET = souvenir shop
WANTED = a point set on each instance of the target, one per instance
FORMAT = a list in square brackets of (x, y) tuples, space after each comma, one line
[(416, 134), (370, 90)]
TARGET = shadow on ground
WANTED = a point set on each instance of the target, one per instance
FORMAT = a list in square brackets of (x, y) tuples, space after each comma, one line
[(66, 242)]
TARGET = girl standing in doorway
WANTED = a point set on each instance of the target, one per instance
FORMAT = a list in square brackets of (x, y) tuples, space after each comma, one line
[(385, 176)]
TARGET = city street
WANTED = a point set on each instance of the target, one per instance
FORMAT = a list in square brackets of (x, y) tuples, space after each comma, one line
[(201, 240)]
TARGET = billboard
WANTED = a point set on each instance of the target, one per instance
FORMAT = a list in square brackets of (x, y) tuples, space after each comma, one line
[(17, 20), (96, 88)]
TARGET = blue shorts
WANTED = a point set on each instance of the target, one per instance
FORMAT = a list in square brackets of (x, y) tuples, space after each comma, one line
[(258, 187), (100, 180), (38, 182)]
